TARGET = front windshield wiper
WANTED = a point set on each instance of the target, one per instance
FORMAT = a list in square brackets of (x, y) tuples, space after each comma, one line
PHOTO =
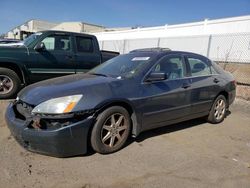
[(99, 74)]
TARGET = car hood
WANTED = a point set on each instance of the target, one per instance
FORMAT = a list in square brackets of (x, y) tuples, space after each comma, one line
[(12, 51), (11, 46), (90, 86), (17, 44)]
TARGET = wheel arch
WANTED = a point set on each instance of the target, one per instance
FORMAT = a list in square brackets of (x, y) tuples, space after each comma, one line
[(225, 94), (16, 68), (210, 117), (129, 107)]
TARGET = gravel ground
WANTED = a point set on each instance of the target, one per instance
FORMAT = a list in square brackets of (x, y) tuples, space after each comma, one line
[(190, 154)]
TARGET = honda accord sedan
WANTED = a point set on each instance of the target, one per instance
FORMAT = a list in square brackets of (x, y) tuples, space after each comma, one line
[(131, 93)]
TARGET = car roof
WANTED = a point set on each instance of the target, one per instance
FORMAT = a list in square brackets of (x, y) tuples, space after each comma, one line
[(162, 51), (151, 50), (65, 32)]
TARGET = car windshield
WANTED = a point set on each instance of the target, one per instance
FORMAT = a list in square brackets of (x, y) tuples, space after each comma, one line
[(31, 38), (123, 66)]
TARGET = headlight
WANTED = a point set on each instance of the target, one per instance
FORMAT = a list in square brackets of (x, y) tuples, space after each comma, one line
[(58, 105)]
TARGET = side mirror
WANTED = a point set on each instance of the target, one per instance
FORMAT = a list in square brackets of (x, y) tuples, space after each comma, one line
[(40, 46), (156, 76)]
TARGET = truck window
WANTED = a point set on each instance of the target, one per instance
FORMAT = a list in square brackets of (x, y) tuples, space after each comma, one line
[(57, 42), (84, 44)]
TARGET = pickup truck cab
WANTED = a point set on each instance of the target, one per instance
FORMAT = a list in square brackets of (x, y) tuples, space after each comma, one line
[(46, 55)]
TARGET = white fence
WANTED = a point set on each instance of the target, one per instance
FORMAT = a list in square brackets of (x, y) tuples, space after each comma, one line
[(223, 48)]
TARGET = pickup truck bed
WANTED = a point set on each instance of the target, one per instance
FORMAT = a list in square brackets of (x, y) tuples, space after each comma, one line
[(106, 55)]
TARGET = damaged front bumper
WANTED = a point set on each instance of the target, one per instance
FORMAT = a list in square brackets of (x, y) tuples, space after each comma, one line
[(70, 140)]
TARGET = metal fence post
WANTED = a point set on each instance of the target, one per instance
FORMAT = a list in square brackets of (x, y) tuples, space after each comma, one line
[(124, 46), (102, 44), (209, 45), (158, 42)]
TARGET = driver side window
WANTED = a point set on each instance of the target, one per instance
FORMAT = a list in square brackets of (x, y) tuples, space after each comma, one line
[(172, 66), (57, 42)]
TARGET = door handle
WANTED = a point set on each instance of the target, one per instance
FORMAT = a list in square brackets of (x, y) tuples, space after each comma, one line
[(186, 85), (216, 80)]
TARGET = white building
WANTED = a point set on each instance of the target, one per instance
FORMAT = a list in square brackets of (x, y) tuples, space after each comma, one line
[(29, 27), (78, 27), (32, 26)]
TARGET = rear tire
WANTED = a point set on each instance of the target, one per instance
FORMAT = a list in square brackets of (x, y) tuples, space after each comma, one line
[(218, 110), (111, 130), (9, 83)]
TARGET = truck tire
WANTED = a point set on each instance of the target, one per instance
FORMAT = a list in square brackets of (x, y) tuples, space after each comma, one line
[(9, 83)]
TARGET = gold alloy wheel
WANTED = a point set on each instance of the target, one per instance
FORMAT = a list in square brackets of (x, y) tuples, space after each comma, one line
[(113, 130), (220, 109)]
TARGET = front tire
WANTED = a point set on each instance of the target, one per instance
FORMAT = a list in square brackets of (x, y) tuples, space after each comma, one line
[(9, 83), (218, 110), (111, 130)]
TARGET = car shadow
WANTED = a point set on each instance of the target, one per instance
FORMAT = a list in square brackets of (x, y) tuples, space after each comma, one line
[(228, 113), (170, 128), (162, 130)]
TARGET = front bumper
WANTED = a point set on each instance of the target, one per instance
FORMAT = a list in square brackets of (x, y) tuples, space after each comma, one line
[(67, 141)]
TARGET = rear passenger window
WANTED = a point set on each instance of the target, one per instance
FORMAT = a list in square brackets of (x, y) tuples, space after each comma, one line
[(198, 67), (84, 44), (172, 66)]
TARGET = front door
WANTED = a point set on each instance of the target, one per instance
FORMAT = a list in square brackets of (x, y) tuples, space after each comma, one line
[(56, 60), (167, 100)]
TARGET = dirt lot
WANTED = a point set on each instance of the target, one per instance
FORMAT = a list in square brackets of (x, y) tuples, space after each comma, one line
[(190, 154)]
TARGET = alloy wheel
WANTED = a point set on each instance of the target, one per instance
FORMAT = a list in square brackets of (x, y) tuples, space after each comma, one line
[(6, 84), (220, 109), (113, 130)]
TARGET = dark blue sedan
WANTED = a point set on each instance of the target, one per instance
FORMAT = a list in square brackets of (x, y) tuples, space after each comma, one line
[(122, 97)]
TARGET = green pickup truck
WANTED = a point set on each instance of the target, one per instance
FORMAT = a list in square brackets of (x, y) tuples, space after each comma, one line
[(45, 55)]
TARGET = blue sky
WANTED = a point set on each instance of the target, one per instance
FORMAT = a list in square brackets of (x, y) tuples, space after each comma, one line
[(118, 13)]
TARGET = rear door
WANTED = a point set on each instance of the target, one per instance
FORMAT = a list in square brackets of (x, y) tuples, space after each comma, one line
[(87, 55), (167, 100), (56, 60), (205, 83)]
